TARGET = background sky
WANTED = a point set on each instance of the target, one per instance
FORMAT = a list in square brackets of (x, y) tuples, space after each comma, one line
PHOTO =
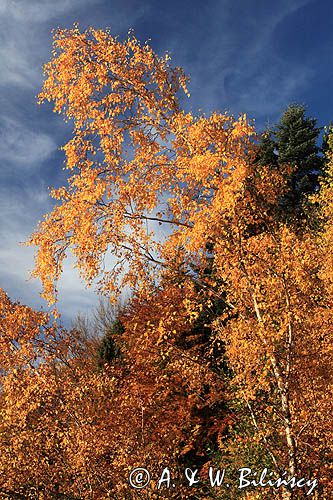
[(253, 56)]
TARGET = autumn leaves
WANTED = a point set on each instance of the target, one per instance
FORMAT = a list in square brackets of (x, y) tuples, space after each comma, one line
[(230, 314)]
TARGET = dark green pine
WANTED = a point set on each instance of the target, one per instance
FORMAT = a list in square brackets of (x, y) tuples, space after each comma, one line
[(266, 150), (296, 137)]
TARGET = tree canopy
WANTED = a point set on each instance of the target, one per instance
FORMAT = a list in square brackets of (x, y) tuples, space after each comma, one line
[(224, 351)]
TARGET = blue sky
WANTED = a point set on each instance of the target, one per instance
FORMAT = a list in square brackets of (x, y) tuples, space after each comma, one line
[(253, 56)]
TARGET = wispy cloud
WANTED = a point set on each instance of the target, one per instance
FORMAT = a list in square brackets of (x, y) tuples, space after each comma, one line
[(21, 146), (227, 46), (234, 65), (27, 140), (22, 31), (20, 209), (37, 11)]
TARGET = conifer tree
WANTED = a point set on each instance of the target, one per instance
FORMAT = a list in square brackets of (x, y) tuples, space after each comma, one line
[(293, 141), (296, 137), (266, 153)]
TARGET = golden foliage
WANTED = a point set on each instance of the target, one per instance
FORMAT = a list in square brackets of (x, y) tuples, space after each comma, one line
[(165, 192)]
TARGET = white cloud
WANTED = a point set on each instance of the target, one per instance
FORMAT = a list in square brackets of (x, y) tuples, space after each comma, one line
[(16, 64), (22, 146), (16, 263), (255, 82), (25, 45), (19, 212), (36, 11), (25, 32), (22, 32)]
